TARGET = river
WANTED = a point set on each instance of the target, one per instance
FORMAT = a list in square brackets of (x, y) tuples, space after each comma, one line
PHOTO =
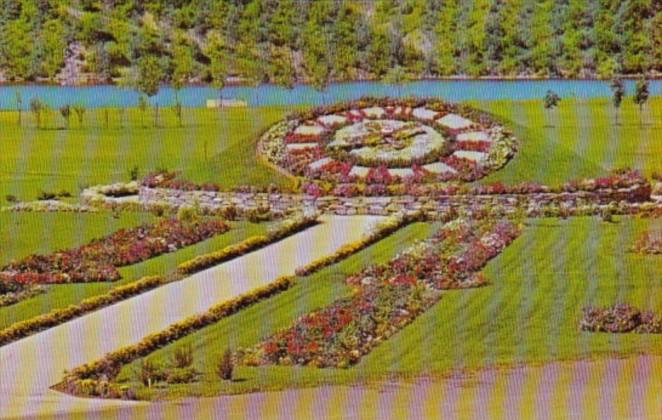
[(454, 90)]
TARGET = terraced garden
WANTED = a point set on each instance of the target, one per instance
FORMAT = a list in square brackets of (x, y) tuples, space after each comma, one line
[(471, 273)]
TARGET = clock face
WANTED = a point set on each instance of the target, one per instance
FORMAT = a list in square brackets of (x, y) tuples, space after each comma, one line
[(429, 141)]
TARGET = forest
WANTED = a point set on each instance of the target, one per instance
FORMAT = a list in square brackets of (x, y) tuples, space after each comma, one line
[(317, 42)]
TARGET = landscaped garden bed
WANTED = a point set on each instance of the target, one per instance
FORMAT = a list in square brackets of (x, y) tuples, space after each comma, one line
[(387, 297), (620, 318), (384, 140), (98, 260), (649, 242)]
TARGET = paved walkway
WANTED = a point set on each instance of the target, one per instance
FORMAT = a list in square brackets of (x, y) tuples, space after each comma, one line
[(30, 366), (609, 388)]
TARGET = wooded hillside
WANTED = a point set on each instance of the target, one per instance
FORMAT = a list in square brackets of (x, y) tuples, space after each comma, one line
[(286, 41)]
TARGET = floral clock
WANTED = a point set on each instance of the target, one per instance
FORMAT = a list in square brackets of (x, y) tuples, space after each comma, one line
[(424, 140)]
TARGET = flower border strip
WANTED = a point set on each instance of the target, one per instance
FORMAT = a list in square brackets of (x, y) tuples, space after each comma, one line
[(250, 244), (111, 363), (56, 317), (15, 297)]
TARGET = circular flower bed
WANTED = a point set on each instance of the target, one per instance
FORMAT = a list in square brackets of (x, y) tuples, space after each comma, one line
[(388, 141)]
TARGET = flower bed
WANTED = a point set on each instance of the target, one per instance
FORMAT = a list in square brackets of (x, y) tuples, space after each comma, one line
[(15, 297), (343, 142), (649, 243), (99, 259), (387, 297), (620, 318)]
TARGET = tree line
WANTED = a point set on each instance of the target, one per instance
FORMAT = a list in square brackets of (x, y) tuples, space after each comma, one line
[(289, 41)]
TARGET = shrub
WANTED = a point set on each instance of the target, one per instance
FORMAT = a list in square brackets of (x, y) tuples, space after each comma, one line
[(225, 366), (183, 357), (187, 213), (184, 375), (46, 195), (134, 173), (149, 373)]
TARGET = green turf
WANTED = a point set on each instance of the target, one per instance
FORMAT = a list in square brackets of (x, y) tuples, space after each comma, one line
[(579, 139), (44, 232), (278, 312), (529, 314), (52, 159)]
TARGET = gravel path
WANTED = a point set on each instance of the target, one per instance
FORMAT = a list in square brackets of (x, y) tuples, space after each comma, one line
[(30, 366)]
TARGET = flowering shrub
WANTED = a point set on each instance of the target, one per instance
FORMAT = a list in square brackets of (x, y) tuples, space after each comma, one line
[(97, 260), (387, 297), (620, 318), (649, 243)]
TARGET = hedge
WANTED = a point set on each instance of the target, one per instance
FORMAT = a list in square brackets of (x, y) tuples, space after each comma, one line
[(87, 378), (58, 316), (381, 231), (251, 244)]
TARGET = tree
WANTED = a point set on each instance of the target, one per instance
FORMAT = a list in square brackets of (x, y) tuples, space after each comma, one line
[(641, 94), (183, 68), (396, 76), (218, 71), (618, 92), (79, 110), (148, 80), (37, 107), (19, 106), (446, 34), (143, 103), (65, 111), (551, 99)]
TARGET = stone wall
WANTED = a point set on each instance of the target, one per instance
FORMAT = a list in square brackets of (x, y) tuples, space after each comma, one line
[(432, 207)]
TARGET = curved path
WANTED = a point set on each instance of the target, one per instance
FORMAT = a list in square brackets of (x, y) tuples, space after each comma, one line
[(30, 366)]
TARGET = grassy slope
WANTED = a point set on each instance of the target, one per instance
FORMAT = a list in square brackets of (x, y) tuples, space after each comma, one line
[(65, 230), (278, 312), (54, 159), (579, 138), (529, 313)]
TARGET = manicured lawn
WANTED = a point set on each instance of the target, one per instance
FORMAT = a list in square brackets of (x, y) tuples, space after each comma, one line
[(529, 314), (579, 139), (249, 325), (45, 232), (55, 159)]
